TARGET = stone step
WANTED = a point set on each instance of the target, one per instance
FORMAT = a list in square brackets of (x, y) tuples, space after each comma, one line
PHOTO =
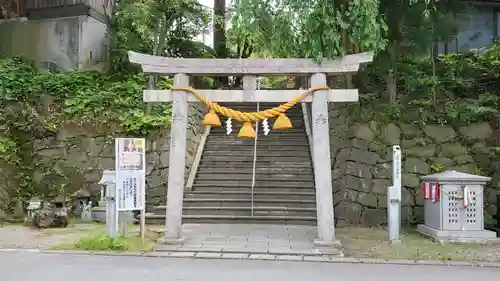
[(293, 116), (159, 219), (260, 171), (264, 140), (224, 144), (297, 127), (258, 183), (260, 159), (290, 133), (276, 220), (248, 189), (259, 153), (219, 202), (247, 211), (252, 107), (257, 195), (248, 176), (273, 135), (259, 165), (249, 151)]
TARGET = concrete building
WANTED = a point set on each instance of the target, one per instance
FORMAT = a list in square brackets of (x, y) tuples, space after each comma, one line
[(57, 34), (477, 30)]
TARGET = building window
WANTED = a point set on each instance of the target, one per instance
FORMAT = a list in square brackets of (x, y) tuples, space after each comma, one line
[(476, 31), (49, 66)]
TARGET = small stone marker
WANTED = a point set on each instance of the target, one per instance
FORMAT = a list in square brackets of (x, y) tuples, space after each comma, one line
[(86, 215)]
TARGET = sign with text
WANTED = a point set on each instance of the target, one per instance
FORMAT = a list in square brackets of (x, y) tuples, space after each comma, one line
[(130, 165)]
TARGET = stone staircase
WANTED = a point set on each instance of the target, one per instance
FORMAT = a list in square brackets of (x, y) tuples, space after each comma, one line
[(284, 191)]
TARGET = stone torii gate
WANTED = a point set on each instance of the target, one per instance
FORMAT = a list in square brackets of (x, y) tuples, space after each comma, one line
[(180, 68)]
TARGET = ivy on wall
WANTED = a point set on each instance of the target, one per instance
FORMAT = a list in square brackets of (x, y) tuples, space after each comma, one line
[(35, 104), (80, 96)]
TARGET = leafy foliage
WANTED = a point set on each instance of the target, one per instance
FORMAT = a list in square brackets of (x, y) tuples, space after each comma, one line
[(78, 97), (311, 29), (102, 242), (161, 27), (466, 86), (37, 104)]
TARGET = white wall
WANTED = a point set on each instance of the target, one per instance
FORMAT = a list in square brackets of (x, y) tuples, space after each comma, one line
[(54, 41), (207, 38), (68, 43), (476, 31), (93, 42)]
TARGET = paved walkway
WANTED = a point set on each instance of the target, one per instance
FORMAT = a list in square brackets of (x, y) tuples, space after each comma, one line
[(251, 238), (19, 266)]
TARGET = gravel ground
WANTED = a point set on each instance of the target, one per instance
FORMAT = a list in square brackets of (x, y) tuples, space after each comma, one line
[(22, 237), (363, 242)]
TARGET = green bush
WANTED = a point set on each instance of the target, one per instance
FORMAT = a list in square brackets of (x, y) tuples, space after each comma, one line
[(102, 242), (35, 104), (454, 89)]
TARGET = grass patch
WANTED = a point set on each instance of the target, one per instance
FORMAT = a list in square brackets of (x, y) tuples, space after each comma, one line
[(101, 241), (372, 243)]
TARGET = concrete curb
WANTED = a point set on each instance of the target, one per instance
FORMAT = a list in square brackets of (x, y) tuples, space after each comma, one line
[(241, 256)]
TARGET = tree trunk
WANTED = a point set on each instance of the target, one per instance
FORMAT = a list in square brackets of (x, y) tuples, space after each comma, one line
[(220, 36), (109, 8), (392, 87)]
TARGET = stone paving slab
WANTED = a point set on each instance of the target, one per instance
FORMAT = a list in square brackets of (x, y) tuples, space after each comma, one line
[(324, 258), (250, 239)]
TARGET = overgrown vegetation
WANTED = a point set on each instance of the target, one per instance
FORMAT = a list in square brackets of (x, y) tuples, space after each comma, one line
[(37, 104), (464, 89)]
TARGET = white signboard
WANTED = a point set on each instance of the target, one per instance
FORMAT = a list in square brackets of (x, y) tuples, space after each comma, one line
[(130, 165)]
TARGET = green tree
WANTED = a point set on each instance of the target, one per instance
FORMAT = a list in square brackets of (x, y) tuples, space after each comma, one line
[(413, 29), (312, 29), (158, 27)]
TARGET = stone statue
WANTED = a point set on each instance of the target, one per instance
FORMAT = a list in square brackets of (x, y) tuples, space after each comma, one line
[(86, 215)]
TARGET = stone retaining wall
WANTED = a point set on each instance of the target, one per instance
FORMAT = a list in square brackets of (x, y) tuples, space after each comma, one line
[(361, 162), (361, 156), (76, 156)]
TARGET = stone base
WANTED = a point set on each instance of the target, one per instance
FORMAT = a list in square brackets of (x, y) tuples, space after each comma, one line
[(98, 214), (168, 241), (395, 242), (328, 248), (467, 236)]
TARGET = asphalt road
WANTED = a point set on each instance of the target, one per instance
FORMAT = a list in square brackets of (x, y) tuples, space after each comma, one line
[(16, 266)]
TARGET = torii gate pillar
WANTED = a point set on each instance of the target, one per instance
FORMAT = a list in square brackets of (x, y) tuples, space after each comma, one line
[(322, 162), (177, 161), (251, 68)]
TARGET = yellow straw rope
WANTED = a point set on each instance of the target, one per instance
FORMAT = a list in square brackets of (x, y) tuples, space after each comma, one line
[(251, 116)]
